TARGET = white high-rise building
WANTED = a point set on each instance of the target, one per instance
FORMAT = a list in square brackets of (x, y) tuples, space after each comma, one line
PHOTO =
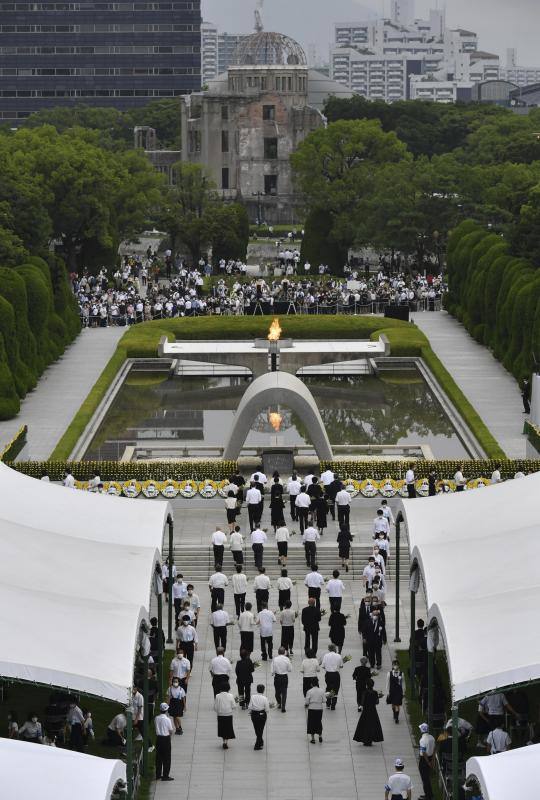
[(522, 76), (366, 56), (402, 11), (217, 51)]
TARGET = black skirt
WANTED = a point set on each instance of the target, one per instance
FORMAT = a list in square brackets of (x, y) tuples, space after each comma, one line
[(344, 549), (282, 548), (231, 514), (176, 707), (225, 728), (369, 728), (314, 721)]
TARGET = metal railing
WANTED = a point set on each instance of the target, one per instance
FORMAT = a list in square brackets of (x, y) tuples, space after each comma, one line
[(282, 307)]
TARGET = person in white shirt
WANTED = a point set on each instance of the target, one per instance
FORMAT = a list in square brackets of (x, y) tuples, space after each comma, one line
[(398, 785), (259, 477), (236, 544), (335, 588), (165, 577), (314, 582), (379, 559), (239, 584), (293, 488), (187, 638), (308, 480), (180, 668), (343, 502), (369, 573), (176, 696), (218, 543), (164, 728), (327, 477), (426, 751), (282, 540), (217, 583), (224, 705), (284, 586), (194, 603), (220, 670), (492, 707), (302, 505), (460, 480), (309, 538), (179, 592), (254, 506), (231, 509), (287, 619), (410, 483), (383, 543), (258, 540), (261, 586), (315, 698), (219, 621), (387, 512), (498, 740), (265, 621), (496, 474), (310, 667), (380, 524), (69, 480), (258, 709), (331, 663), (281, 666), (246, 626)]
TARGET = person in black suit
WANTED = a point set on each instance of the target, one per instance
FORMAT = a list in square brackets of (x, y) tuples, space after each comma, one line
[(311, 617), (331, 490), (374, 634)]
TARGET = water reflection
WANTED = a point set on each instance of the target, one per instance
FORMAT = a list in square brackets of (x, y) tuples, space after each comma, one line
[(394, 408)]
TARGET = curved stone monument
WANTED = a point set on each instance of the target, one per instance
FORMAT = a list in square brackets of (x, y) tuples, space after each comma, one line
[(271, 389)]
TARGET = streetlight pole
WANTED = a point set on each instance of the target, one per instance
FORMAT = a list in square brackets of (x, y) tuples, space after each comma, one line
[(399, 520), (170, 524)]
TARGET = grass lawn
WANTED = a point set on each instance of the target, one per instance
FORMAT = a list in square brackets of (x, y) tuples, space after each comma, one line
[(141, 341)]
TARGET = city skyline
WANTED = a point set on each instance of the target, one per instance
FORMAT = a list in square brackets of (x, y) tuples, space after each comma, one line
[(497, 30)]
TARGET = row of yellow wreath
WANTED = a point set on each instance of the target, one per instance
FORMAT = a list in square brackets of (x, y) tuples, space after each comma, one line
[(370, 487)]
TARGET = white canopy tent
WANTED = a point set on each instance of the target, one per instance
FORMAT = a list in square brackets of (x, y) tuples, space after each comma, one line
[(75, 578), (464, 545), (51, 507), (507, 775), (31, 770)]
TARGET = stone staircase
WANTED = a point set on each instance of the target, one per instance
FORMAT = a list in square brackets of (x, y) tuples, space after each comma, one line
[(197, 563)]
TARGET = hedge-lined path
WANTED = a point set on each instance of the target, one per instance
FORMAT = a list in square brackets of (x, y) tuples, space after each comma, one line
[(61, 390), (492, 391)]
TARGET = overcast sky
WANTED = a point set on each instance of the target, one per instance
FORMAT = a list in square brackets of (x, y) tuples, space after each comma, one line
[(499, 23)]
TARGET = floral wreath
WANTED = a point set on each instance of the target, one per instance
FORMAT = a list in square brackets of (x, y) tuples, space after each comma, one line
[(208, 488), (388, 487), (131, 488), (478, 483), (170, 489), (402, 488), (422, 487), (113, 487), (151, 489), (351, 486), (82, 485), (369, 487), (188, 488), (223, 488)]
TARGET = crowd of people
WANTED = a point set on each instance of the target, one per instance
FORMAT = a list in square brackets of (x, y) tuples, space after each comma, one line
[(137, 292)]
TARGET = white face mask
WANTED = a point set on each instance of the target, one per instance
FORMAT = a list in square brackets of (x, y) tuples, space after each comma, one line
[(34, 719)]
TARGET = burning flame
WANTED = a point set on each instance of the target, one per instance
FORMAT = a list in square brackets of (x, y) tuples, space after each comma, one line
[(275, 418), (275, 330)]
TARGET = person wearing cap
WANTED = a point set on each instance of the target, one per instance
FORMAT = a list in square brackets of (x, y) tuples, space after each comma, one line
[(164, 730), (426, 748), (399, 785)]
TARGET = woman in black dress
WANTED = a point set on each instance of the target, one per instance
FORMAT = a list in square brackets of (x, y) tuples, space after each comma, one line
[(244, 678), (321, 513), (344, 540), (369, 728), (337, 622), (395, 688), (276, 504), (361, 676)]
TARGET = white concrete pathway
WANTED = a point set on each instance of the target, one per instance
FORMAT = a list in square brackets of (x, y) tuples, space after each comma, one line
[(492, 390), (289, 767), (60, 392)]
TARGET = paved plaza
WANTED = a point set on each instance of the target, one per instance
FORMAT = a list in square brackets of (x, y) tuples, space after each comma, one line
[(492, 390), (289, 767)]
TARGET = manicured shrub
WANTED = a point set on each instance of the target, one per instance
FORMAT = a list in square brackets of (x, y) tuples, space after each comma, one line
[(9, 399), (13, 289)]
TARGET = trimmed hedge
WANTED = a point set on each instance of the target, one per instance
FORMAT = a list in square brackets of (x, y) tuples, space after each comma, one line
[(14, 447), (38, 318), (495, 295), (220, 470)]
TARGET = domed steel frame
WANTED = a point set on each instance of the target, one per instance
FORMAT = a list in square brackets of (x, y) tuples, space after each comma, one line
[(267, 48)]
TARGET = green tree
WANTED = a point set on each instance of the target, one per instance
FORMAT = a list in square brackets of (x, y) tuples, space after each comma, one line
[(229, 231), (188, 209)]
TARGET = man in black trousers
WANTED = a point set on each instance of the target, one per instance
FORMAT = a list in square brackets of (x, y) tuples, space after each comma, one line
[(164, 729), (311, 617), (258, 708)]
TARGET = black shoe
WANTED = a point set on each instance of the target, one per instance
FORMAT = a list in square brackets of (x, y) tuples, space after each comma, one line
[(167, 779), (258, 747), (320, 739), (283, 710), (264, 658)]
